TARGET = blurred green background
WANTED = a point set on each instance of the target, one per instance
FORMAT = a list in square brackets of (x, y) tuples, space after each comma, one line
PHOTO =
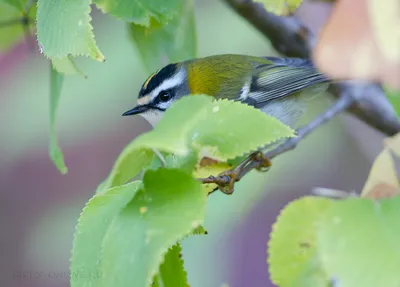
[(39, 207)]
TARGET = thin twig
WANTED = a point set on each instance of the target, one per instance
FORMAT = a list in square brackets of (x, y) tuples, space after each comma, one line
[(334, 193)]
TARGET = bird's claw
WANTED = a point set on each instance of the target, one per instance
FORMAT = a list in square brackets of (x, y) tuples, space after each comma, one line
[(264, 163), (234, 175)]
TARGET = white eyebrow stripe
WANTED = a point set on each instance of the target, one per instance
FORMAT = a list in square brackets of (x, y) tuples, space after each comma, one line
[(168, 83)]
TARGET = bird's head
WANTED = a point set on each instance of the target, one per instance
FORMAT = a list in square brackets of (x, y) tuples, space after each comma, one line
[(159, 92)]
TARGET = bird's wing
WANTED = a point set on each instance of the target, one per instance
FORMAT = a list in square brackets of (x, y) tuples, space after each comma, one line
[(285, 76)]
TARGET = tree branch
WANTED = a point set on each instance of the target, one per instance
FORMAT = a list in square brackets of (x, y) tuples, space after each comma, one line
[(290, 37)]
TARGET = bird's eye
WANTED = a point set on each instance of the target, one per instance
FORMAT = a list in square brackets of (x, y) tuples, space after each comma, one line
[(164, 96)]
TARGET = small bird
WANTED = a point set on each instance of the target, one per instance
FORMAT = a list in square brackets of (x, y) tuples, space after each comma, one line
[(277, 86)]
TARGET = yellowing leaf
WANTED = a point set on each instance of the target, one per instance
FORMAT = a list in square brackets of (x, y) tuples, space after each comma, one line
[(212, 169), (383, 173), (385, 18)]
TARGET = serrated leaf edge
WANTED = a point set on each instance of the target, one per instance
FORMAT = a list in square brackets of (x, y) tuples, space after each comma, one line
[(162, 253), (273, 230), (180, 259), (95, 54), (84, 209), (253, 147)]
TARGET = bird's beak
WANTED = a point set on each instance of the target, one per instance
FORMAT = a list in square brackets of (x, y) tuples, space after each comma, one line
[(136, 110)]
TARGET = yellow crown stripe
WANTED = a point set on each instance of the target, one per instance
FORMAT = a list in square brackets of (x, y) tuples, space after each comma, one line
[(149, 79)]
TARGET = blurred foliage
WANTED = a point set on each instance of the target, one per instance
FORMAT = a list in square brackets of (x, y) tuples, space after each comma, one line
[(280, 7), (166, 43), (140, 11), (16, 18), (394, 99)]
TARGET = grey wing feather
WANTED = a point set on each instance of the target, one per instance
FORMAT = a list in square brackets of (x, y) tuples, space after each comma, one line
[(284, 77)]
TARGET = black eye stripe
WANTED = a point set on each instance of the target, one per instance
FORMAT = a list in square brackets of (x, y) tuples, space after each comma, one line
[(157, 108), (157, 99)]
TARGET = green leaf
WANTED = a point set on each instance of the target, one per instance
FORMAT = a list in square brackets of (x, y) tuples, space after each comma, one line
[(394, 99), (11, 26), (358, 242), (208, 127), (172, 132), (128, 165), (10, 33), (174, 41), (92, 226), (172, 272), (64, 29), (224, 135), (199, 231), (171, 205), (66, 66), (187, 163), (139, 153), (19, 5), (280, 7), (293, 258), (140, 11), (56, 155)]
